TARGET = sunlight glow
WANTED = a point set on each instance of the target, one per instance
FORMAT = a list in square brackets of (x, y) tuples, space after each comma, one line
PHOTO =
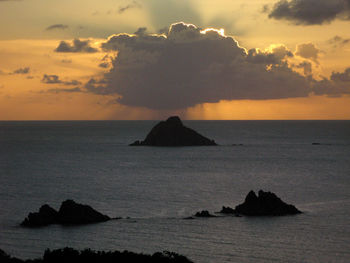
[(220, 31)]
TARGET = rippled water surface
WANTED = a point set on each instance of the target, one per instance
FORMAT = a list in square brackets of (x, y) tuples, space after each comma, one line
[(153, 189)]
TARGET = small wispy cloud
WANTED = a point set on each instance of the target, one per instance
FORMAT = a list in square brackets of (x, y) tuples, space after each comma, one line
[(132, 5), (57, 26), (57, 90), (55, 79), (24, 70), (338, 41)]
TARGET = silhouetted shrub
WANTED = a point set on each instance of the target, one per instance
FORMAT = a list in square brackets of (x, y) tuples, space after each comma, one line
[(70, 255)]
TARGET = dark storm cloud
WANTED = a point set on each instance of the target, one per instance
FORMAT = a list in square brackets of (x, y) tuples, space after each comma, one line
[(188, 66), (54, 79), (56, 26), (76, 46), (24, 70), (310, 12)]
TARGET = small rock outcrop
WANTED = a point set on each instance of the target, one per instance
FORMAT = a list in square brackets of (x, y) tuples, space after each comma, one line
[(203, 213), (227, 210), (265, 204), (46, 216), (70, 213), (173, 133)]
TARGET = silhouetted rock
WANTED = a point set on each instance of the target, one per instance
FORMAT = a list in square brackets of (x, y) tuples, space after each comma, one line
[(70, 213), (189, 218), (265, 204), (173, 133), (203, 213), (70, 255), (227, 210), (73, 213), (46, 216)]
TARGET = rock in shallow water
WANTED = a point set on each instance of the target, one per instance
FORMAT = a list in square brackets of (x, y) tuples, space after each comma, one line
[(173, 133)]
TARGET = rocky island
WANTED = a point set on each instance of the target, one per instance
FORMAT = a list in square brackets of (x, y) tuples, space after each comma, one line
[(173, 133), (263, 204), (70, 213)]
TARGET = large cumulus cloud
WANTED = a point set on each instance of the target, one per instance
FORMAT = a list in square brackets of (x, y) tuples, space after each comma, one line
[(189, 66), (310, 12)]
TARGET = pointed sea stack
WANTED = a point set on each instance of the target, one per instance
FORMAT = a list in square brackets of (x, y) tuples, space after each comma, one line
[(173, 133), (265, 204)]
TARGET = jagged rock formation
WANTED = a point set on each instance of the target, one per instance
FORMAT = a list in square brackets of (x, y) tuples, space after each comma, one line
[(70, 213), (46, 216), (265, 204), (203, 213), (173, 133)]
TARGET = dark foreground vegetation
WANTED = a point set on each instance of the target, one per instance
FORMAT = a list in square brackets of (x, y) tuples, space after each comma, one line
[(70, 255)]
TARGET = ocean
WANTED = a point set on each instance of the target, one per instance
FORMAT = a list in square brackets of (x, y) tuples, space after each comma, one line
[(306, 163)]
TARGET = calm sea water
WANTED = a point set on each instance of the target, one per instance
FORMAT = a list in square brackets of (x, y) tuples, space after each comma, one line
[(90, 162)]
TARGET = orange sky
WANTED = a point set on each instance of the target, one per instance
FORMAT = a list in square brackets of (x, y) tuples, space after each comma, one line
[(27, 51)]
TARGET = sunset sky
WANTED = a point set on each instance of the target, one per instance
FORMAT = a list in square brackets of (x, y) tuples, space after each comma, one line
[(200, 59)]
